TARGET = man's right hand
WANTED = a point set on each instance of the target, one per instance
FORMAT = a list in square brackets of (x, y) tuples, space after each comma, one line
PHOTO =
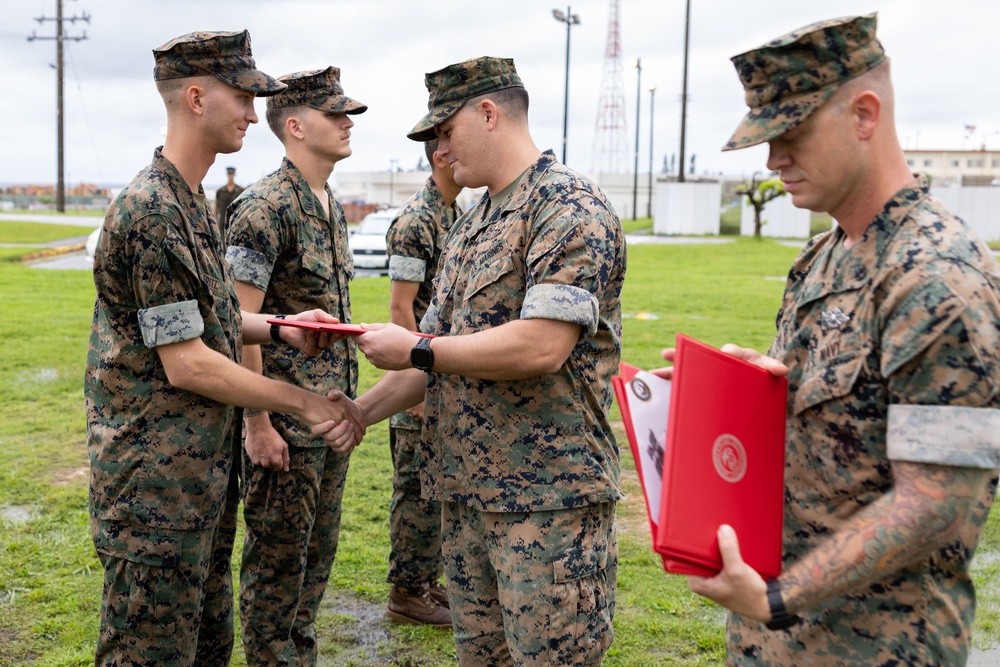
[(323, 412), (264, 445)]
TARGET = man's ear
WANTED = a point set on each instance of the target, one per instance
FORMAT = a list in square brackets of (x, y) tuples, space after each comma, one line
[(194, 98), (293, 127), (488, 109), (867, 109)]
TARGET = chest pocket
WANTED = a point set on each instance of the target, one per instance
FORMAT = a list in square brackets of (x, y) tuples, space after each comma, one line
[(318, 266), (824, 381)]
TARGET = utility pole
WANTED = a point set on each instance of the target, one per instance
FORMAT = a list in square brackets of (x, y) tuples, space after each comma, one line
[(59, 39)]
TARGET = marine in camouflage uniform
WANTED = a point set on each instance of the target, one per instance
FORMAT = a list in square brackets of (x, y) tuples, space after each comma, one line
[(225, 196), (163, 484), (290, 255), (890, 330), (522, 457), (414, 243)]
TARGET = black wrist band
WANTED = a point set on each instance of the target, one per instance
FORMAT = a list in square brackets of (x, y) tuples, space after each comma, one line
[(276, 330), (780, 618)]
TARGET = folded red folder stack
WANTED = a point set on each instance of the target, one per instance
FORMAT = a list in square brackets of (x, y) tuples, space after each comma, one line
[(709, 448)]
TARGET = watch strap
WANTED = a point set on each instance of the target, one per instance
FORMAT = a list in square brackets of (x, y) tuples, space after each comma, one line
[(276, 330), (780, 618)]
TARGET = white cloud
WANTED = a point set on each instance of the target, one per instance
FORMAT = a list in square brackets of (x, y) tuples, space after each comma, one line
[(944, 67)]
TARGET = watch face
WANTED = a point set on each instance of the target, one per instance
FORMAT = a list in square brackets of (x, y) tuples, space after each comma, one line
[(421, 356)]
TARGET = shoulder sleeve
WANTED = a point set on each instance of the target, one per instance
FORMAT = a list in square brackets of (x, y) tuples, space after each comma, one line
[(256, 237), (410, 243), (939, 353), (572, 254), (165, 281)]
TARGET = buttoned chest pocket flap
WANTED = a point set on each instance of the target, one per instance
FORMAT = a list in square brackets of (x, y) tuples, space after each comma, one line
[(501, 271), (318, 265), (825, 381)]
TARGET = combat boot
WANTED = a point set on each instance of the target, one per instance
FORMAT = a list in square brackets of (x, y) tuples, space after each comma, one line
[(439, 594), (416, 606)]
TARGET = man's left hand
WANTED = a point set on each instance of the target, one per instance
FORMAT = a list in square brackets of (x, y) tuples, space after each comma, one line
[(387, 346), (310, 342), (737, 587)]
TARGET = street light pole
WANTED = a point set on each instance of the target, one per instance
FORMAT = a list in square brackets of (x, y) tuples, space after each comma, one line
[(635, 169), (570, 19), (649, 201)]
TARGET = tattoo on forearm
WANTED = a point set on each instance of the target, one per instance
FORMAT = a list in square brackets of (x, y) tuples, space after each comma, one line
[(928, 507)]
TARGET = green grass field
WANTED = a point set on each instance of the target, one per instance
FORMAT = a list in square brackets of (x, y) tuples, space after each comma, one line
[(50, 578)]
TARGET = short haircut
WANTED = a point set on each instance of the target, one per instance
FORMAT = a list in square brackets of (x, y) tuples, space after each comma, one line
[(512, 100), (276, 117), (429, 148)]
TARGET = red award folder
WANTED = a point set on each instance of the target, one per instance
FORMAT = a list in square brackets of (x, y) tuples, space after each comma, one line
[(722, 462), (338, 327)]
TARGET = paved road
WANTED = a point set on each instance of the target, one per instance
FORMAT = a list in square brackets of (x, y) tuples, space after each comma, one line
[(91, 221)]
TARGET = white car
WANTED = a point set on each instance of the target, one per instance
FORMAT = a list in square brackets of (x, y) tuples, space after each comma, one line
[(91, 247), (367, 243)]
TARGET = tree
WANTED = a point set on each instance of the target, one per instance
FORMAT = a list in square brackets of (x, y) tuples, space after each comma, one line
[(758, 193)]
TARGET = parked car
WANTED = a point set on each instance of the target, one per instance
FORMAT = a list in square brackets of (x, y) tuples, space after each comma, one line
[(91, 247), (367, 243)]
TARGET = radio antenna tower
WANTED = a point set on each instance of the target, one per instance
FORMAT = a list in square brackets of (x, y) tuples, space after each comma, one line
[(610, 143)]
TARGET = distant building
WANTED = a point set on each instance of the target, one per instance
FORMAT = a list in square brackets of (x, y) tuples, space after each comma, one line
[(957, 167)]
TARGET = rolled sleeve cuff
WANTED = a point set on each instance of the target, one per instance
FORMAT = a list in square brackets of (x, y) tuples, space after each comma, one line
[(944, 435), (564, 303), (171, 323), (410, 269), (249, 266)]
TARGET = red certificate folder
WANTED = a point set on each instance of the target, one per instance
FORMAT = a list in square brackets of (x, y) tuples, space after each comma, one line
[(338, 327), (723, 458)]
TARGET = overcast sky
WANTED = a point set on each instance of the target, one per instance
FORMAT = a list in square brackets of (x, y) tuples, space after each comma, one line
[(945, 66)]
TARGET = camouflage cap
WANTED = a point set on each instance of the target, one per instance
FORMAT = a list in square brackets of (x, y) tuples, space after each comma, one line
[(790, 77), (452, 86), (224, 55), (319, 89)]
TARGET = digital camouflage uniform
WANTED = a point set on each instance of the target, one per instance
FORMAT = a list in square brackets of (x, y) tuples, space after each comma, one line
[(892, 348), (163, 480), (414, 243), (281, 242), (528, 470), (223, 198), (893, 356)]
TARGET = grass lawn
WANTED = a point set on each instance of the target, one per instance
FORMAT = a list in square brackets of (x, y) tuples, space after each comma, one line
[(50, 578), (33, 232)]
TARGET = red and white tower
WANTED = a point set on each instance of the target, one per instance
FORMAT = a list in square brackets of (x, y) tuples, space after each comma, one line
[(610, 140)]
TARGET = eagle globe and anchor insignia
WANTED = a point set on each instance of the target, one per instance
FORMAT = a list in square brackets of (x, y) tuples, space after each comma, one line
[(729, 457)]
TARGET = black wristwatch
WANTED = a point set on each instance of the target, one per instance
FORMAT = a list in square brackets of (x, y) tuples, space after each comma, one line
[(421, 356), (276, 330), (780, 618)]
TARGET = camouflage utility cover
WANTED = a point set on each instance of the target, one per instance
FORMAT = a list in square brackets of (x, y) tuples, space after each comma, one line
[(414, 244), (281, 242), (224, 55), (553, 250), (790, 77), (450, 87), (318, 89), (888, 349), (160, 456)]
